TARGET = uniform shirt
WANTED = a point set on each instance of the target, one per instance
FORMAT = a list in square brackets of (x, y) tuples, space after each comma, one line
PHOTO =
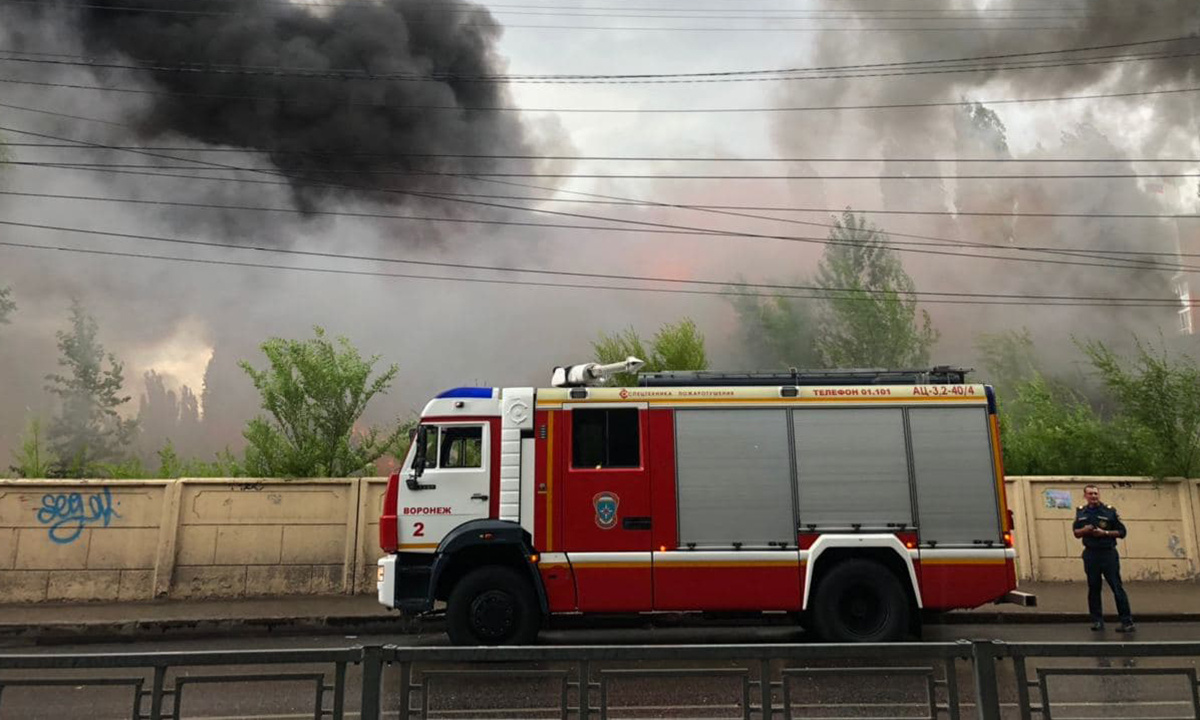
[(1104, 517)]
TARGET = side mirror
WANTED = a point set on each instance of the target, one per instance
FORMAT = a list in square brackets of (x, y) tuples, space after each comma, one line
[(420, 437)]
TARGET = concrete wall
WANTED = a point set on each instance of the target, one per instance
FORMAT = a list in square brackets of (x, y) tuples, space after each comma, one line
[(1162, 518), (100, 540), (191, 538)]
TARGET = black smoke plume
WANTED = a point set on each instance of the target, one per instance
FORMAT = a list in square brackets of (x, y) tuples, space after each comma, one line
[(290, 98)]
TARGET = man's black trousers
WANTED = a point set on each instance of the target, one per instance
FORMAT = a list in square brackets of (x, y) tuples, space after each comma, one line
[(1105, 564)]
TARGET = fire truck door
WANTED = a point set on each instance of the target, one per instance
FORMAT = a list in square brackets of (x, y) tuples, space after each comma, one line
[(457, 480), (606, 506)]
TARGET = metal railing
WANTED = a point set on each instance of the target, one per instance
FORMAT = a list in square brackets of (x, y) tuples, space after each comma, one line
[(979, 679)]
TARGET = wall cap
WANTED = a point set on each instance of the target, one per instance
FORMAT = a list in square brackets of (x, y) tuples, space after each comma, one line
[(1096, 479)]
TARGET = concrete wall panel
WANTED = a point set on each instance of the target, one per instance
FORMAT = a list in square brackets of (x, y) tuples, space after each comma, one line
[(122, 548), (1052, 539), (249, 544), (370, 508), (327, 579), (83, 585), (135, 585), (314, 544), (279, 580), (8, 548), (197, 545), (35, 551), (23, 586), (259, 502), (212, 581)]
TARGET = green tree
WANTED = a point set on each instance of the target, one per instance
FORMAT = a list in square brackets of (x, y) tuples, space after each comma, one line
[(1162, 395), (779, 332), (676, 346), (7, 306), (1046, 429), (171, 465), (1008, 358), (870, 316), (315, 391), (33, 459), (88, 428)]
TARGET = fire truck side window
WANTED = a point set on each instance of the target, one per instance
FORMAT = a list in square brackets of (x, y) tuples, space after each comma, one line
[(462, 447), (605, 438)]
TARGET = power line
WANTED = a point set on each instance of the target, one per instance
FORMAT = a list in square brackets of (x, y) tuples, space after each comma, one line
[(80, 60), (496, 25), (662, 76), (567, 273), (681, 13), (656, 228), (975, 298), (836, 211), (937, 241), (68, 116), (1027, 65), (637, 110), (629, 176), (410, 193), (595, 158), (577, 215), (1047, 6)]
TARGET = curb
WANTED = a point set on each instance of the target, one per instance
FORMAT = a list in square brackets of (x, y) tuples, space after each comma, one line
[(975, 617), (84, 632)]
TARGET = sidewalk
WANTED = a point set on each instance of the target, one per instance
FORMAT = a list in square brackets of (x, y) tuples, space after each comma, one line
[(1057, 602), (1067, 602)]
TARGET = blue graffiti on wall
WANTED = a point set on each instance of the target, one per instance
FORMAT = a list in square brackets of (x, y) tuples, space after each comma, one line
[(68, 514)]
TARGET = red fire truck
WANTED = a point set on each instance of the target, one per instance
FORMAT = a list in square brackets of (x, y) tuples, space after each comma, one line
[(857, 500)]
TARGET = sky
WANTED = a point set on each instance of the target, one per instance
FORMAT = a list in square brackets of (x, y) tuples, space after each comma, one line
[(186, 320)]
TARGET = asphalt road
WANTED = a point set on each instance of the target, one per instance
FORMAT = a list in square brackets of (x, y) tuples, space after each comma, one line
[(856, 696)]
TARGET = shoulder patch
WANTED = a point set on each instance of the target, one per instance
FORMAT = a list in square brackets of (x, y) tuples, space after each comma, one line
[(1081, 507)]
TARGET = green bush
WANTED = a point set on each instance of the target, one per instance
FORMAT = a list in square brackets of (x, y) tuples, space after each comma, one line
[(1049, 430)]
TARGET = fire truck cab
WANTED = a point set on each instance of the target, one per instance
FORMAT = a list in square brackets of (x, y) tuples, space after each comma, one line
[(855, 499)]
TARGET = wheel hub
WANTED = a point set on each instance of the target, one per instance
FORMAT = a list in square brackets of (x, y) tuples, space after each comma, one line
[(862, 610), (493, 614)]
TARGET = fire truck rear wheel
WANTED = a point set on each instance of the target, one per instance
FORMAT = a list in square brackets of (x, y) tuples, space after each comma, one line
[(860, 601), (492, 606)]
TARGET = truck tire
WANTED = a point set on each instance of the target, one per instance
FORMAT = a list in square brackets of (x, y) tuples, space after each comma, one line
[(860, 601), (492, 605)]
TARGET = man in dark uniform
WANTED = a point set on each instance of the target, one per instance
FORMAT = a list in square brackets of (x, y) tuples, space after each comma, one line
[(1099, 526)]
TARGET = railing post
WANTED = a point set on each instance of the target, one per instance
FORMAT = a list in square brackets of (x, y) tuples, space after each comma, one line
[(405, 688), (764, 672), (372, 682), (339, 691), (585, 684), (987, 698), (156, 692)]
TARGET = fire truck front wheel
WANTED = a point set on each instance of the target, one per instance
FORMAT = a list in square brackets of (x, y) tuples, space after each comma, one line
[(860, 601), (492, 605)]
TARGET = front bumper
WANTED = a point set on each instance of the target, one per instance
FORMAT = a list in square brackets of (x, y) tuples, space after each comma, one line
[(385, 583), (405, 581)]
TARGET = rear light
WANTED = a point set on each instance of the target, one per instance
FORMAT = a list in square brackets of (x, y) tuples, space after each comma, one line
[(1007, 539), (389, 531)]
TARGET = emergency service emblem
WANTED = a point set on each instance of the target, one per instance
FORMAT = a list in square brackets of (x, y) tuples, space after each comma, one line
[(606, 510)]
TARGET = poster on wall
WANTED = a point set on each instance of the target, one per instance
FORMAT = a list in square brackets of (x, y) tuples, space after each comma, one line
[(1058, 499)]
